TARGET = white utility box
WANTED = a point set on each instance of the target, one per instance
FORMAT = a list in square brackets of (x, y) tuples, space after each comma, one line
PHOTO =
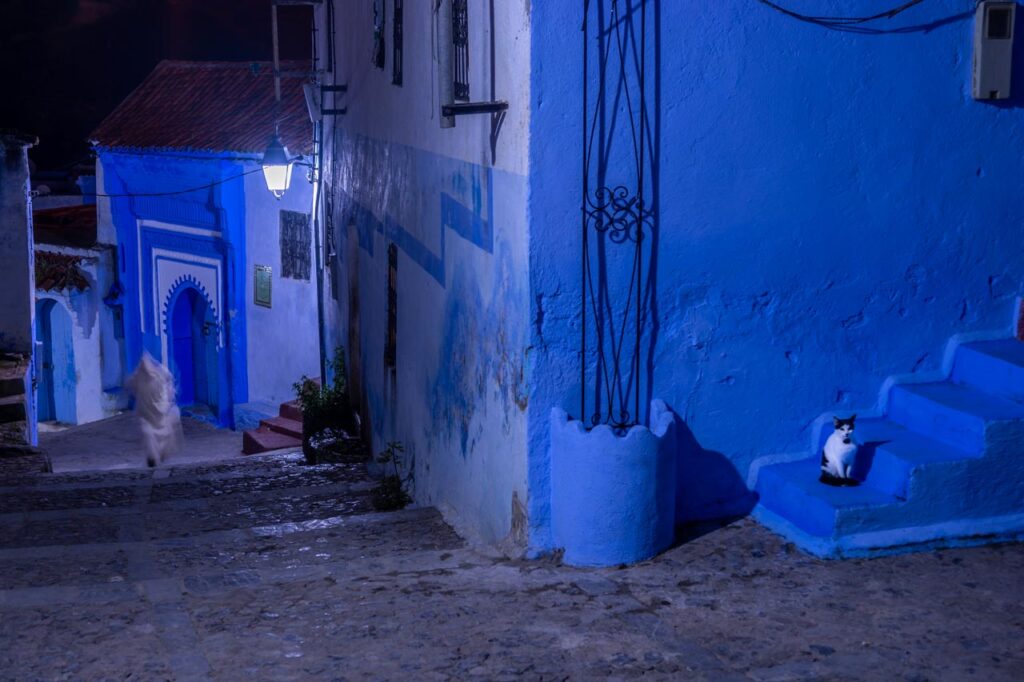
[(993, 49)]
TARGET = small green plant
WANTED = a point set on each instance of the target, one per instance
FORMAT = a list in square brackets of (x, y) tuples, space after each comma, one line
[(324, 407), (390, 492)]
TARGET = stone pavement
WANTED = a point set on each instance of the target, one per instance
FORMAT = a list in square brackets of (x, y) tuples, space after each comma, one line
[(116, 443), (267, 569)]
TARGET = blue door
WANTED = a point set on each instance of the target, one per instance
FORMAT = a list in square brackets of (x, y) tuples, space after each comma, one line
[(57, 375), (194, 349), (44, 340)]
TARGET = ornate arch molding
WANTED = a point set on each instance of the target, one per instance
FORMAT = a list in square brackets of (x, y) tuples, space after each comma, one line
[(177, 287)]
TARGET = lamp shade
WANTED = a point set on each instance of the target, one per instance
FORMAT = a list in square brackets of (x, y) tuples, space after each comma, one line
[(277, 167)]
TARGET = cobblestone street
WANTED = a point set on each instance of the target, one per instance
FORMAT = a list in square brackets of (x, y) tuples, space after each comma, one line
[(268, 569)]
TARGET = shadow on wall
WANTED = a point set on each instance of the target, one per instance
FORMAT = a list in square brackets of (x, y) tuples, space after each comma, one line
[(708, 484)]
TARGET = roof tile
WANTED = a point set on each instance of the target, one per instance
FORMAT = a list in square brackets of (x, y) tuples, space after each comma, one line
[(210, 107)]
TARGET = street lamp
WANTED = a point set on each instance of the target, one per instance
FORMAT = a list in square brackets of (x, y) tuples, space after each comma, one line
[(277, 167)]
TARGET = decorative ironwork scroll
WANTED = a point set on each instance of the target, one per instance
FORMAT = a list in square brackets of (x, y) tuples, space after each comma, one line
[(614, 214)]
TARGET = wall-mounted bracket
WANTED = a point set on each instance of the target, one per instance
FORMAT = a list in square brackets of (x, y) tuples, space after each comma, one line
[(464, 108), (342, 88)]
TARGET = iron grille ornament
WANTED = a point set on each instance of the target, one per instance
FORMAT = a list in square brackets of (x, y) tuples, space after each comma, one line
[(614, 217)]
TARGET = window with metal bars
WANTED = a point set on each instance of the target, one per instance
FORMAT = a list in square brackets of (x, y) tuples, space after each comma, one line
[(391, 345), (460, 52), (396, 43)]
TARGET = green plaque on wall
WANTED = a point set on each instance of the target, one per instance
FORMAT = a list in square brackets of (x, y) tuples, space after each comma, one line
[(261, 290)]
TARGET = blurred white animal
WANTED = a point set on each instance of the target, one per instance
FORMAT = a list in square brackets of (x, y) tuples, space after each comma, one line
[(159, 416)]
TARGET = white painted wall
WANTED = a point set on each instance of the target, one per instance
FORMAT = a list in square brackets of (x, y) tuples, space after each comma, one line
[(282, 340), (456, 398), (92, 337)]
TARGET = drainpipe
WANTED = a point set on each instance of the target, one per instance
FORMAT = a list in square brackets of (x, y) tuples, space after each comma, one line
[(318, 189), (445, 87)]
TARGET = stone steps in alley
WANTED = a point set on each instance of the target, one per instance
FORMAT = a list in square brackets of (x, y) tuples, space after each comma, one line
[(943, 467), (14, 370), (123, 545), (275, 433), (264, 568), (264, 512)]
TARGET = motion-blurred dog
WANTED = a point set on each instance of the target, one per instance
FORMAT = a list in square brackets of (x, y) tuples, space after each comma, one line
[(159, 416)]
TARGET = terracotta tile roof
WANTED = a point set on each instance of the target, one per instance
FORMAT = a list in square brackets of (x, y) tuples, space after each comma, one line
[(210, 107), (66, 226)]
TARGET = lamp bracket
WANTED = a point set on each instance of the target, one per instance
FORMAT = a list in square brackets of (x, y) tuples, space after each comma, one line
[(465, 108), (338, 88)]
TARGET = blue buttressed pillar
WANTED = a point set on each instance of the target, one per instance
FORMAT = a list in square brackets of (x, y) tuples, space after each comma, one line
[(230, 200), (127, 264)]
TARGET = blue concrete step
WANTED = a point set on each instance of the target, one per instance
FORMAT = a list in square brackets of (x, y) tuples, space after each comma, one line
[(995, 367), (954, 414), (792, 491), (889, 454)]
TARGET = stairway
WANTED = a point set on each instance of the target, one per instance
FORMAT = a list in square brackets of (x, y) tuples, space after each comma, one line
[(208, 571), (275, 433), (944, 466), (13, 402)]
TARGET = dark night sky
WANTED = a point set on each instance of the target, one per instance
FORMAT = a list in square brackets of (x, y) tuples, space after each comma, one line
[(68, 63)]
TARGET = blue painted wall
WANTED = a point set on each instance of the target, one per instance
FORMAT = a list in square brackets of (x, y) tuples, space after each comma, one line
[(209, 240), (214, 220), (453, 202), (456, 397), (831, 207)]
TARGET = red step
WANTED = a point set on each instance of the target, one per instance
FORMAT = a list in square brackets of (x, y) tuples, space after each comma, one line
[(288, 427), (291, 410), (264, 439)]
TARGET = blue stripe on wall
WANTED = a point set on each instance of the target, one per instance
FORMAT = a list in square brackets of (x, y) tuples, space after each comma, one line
[(466, 222)]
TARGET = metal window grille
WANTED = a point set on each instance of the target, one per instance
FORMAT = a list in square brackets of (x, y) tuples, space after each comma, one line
[(460, 45), (296, 243), (396, 43), (391, 347), (378, 33)]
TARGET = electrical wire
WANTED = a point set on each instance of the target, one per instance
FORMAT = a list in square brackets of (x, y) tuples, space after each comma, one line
[(180, 191), (842, 21)]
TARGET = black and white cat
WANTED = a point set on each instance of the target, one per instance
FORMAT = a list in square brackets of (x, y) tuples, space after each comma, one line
[(839, 453)]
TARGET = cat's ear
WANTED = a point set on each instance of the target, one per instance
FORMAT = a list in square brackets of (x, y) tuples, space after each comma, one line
[(835, 421), (853, 417)]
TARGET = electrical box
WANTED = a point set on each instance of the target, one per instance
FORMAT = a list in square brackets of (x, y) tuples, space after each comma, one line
[(993, 49)]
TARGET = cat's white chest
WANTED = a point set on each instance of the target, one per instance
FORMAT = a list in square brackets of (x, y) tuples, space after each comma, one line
[(840, 455)]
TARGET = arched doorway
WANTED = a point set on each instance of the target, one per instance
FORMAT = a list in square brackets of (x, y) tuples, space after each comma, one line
[(56, 363), (193, 348)]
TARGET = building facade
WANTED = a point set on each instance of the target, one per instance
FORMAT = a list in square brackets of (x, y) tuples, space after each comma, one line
[(215, 272), (808, 240), (79, 335)]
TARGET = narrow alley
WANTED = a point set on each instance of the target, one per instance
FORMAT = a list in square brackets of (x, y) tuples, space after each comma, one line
[(269, 569), (512, 340)]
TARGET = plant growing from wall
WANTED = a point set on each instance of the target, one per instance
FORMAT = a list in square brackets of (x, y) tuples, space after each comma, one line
[(57, 271), (325, 408), (390, 493)]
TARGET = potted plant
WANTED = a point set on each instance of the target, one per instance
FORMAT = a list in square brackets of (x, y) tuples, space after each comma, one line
[(325, 407)]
